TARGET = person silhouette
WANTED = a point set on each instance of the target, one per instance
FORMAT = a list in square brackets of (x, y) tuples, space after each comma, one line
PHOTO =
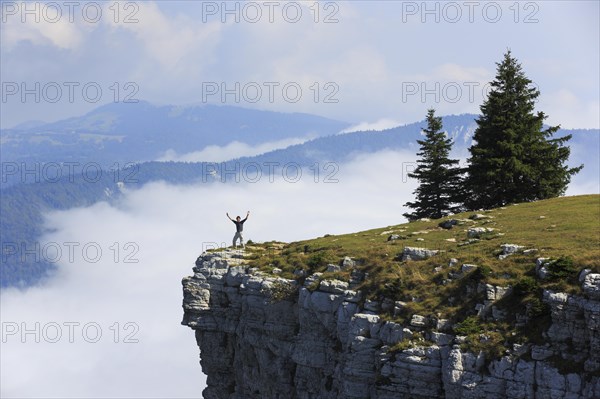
[(239, 228)]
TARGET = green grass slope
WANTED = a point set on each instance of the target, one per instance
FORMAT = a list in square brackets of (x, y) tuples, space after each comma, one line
[(566, 230)]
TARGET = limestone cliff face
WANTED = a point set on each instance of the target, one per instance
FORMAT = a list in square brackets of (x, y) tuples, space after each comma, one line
[(262, 337)]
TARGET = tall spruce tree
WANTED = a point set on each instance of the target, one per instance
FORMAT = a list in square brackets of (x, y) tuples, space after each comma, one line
[(439, 176), (514, 158)]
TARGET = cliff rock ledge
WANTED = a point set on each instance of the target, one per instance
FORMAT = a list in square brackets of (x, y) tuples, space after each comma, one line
[(262, 336)]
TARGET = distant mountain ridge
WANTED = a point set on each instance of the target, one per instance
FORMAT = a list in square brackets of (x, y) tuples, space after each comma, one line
[(342, 147), (139, 132), (121, 133)]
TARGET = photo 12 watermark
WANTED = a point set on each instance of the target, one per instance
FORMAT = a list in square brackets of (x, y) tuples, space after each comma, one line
[(53, 332), (428, 92), (71, 92), (254, 172), (453, 12), (252, 12), (71, 172), (271, 92), (53, 12), (409, 167), (53, 252)]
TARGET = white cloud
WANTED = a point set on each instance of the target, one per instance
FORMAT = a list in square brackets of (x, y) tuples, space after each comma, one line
[(381, 124), (170, 225), (565, 108), (40, 25), (175, 42), (233, 150), (460, 73)]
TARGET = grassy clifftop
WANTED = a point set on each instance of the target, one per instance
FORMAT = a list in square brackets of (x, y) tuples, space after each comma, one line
[(567, 227), (565, 231)]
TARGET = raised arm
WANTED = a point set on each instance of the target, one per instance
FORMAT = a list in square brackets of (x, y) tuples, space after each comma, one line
[(247, 214), (229, 217)]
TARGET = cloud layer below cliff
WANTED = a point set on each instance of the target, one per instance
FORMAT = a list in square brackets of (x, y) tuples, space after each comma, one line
[(164, 228)]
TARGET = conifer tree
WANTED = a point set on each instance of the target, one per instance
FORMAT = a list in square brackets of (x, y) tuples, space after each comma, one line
[(514, 158), (439, 176)]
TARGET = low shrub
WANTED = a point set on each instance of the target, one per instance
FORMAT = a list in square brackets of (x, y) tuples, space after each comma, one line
[(562, 268), (470, 325)]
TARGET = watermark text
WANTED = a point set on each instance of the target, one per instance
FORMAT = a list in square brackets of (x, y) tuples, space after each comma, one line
[(69, 331)]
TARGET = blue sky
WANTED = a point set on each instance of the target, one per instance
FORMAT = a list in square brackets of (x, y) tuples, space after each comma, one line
[(378, 63)]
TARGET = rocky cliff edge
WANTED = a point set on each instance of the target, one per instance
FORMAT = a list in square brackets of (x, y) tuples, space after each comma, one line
[(263, 336)]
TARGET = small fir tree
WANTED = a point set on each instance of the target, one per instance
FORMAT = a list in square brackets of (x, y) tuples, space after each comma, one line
[(439, 176)]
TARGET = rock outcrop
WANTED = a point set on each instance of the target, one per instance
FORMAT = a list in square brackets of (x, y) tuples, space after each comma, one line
[(262, 336), (413, 253)]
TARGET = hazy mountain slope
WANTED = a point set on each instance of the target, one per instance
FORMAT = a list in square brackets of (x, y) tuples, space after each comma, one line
[(141, 131)]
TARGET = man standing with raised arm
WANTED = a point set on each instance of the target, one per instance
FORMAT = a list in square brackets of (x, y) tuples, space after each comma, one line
[(239, 227)]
